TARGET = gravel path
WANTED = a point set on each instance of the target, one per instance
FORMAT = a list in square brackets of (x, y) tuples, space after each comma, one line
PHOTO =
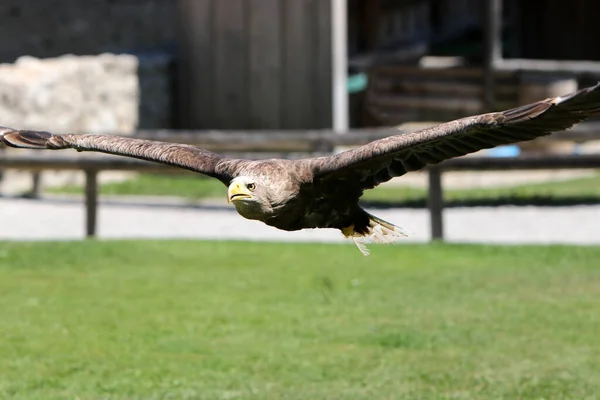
[(60, 218)]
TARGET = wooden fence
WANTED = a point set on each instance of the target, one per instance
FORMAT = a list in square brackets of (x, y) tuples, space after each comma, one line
[(293, 144)]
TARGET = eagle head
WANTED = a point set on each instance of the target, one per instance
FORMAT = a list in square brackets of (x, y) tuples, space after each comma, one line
[(250, 197)]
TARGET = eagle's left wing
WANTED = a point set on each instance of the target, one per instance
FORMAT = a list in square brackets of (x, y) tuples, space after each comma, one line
[(381, 160)]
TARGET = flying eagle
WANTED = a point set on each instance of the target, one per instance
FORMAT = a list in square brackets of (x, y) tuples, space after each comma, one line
[(324, 192)]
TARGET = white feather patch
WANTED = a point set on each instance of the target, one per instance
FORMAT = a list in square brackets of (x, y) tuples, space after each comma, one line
[(380, 231)]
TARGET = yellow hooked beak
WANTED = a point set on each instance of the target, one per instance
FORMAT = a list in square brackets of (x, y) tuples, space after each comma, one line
[(237, 191)]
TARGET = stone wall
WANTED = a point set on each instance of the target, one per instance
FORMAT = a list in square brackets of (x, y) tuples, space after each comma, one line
[(104, 93), (107, 93), (70, 93), (95, 92), (143, 28)]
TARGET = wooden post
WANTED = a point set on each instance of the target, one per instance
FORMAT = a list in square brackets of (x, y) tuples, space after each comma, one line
[(36, 179), (91, 202), (493, 48), (435, 202)]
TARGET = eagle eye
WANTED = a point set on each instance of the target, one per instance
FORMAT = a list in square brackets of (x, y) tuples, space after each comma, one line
[(251, 186)]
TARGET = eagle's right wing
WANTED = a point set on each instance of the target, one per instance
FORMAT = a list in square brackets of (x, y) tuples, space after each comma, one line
[(179, 155)]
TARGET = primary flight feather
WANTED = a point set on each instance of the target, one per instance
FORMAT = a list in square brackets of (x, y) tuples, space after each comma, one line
[(324, 192)]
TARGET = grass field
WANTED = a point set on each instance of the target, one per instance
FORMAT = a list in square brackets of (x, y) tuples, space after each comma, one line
[(234, 320), (574, 190)]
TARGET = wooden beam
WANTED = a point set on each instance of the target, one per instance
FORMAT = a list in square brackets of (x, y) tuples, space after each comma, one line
[(297, 139), (432, 87), (529, 162), (548, 66), (407, 101), (118, 163), (252, 144), (109, 163)]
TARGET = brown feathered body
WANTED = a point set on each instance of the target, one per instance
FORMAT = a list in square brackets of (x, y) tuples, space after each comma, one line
[(324, 192), (293, 200)]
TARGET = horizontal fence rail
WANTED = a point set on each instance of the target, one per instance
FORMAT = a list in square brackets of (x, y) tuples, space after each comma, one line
[(317, 140)]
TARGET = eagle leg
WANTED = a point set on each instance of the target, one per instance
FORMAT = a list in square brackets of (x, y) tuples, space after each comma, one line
[(377, 231)]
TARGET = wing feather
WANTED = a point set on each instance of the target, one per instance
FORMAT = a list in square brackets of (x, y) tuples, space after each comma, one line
[(383, 159), (179, 155)]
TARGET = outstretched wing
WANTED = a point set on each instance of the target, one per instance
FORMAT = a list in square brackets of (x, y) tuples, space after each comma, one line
[(379, 161), (179, 155)]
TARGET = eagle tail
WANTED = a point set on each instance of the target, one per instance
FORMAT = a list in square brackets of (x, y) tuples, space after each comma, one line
[(378, 231)]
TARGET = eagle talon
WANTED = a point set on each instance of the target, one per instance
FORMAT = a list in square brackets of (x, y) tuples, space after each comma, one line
[(348, 231)]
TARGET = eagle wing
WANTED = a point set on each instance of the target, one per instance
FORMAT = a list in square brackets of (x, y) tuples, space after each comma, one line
[(379, 161), (179, 155)]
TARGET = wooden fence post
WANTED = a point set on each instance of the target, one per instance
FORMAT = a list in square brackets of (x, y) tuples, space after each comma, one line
[(91, 202), (435, 202), (36, 184)]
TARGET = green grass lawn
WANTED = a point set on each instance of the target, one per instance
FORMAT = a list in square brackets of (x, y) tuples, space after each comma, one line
[(584, 190), (235, 320)]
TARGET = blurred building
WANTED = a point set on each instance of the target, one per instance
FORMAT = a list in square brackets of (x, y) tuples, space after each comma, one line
[(51, 28), (266, 64)]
